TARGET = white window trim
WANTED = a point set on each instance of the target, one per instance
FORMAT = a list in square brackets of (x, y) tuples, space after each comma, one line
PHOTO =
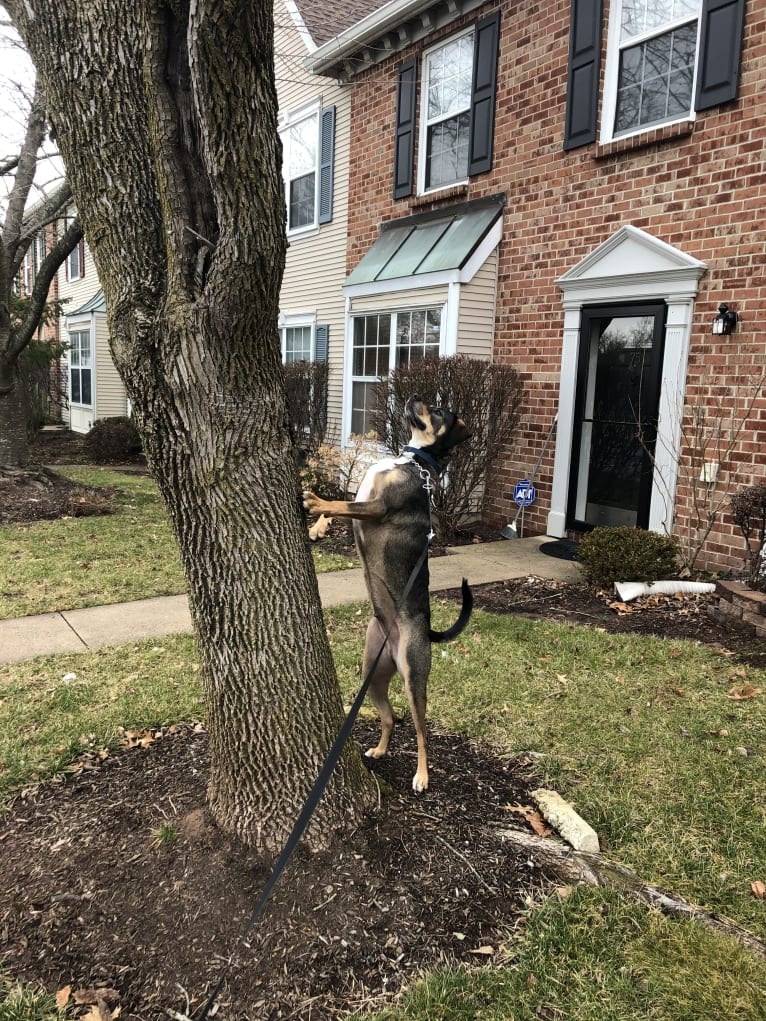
[(286, 120), (299, 320), (646, 268), (423, 128), (82, 326), (612, 69)]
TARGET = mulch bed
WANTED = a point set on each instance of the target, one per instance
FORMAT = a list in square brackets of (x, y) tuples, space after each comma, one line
[(94, 899)]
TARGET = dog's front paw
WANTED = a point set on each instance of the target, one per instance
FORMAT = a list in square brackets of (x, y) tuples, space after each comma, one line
[(420, 782), (374, 753), (310, 502)]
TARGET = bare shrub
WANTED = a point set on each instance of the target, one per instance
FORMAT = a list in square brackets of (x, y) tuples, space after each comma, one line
[(749, 511), (306, 391), (485, 395)]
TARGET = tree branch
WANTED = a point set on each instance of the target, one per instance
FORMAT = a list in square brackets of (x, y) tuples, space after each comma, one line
[(593, 869), (25, 172), (21, 336)]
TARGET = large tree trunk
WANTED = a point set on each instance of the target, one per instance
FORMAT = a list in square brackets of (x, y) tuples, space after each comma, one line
[(14, 436), (166, 117)]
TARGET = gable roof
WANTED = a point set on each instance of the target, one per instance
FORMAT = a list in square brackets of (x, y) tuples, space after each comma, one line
[(326, 19)]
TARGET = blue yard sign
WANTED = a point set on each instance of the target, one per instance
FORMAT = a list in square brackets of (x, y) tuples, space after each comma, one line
[(524, 493)]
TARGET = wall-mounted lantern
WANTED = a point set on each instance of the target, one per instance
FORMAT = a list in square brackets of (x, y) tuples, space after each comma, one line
[(725, 321)]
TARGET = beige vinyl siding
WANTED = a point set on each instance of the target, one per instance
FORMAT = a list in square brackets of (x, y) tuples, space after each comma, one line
[(416, 297), (111, 399), (315, 267), (476, 317)]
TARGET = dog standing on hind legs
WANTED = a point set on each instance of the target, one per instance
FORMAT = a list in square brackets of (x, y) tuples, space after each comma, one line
[(392, 526)]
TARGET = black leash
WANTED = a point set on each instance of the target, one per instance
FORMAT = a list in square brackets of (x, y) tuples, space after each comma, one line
[(313, 799)]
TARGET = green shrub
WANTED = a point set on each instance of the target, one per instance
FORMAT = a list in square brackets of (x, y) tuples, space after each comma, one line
[(113, 440), (749, 511), (628, 554)]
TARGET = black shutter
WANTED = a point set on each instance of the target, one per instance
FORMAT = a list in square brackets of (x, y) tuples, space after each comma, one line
[(483, 89), (719, 55), (326, 162), (321, 343), (583, 73), (404, 155)]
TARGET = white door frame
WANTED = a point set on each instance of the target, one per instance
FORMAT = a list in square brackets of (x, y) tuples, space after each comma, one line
[(630, 266)]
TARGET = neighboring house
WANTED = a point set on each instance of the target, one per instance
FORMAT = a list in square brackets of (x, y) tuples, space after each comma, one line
[(315, 128), (93, 386), (572, 188)]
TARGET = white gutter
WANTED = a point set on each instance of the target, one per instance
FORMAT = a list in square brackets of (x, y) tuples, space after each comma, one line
[(368, 30)]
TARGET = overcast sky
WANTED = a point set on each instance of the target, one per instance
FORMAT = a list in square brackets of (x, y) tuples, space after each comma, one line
[(17, 78)]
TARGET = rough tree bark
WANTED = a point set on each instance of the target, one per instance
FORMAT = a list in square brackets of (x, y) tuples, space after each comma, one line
[(17, 234), (165, 113)]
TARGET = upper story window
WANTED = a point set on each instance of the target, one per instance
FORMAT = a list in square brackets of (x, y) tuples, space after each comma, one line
[(297, 343), (308, 142), (75, 262), (455, 135), (656, 58), (447, 76), (666, 61)]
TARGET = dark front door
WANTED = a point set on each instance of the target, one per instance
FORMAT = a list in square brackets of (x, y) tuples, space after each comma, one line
[(618, 384)]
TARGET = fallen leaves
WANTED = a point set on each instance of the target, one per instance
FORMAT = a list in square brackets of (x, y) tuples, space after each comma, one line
[(743, 693), (758, 889), (103, 1004), (533, 817)]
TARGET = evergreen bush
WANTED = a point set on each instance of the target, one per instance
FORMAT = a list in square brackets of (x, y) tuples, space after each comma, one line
[(628, 554)]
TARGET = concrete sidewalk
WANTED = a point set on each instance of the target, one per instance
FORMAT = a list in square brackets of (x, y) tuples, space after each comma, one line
[(82, 630)]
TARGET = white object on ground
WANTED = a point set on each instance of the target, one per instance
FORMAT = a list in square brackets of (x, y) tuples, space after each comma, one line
[(563, 818), (628, 590)]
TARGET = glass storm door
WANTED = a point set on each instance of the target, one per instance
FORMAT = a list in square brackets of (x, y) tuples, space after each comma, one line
[(618, 380)]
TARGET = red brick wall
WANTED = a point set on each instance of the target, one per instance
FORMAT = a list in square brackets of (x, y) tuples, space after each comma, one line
[(701, 188)]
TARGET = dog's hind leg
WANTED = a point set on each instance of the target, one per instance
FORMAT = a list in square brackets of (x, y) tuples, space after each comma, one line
[(414, 663), (376, 647)]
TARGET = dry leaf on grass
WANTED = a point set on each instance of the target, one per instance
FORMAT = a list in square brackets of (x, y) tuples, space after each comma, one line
[(747, 691), (62, 997), (759, 889), (487, 951)]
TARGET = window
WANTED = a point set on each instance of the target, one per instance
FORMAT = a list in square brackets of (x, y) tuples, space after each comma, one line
[(457, 111), (383, 341), (308, 141), (447, 76), (75, 262), (296, 343), (657, 52), (666, 61), (80, 367)]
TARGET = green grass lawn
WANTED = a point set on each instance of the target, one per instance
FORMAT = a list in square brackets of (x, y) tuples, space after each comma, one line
[(74, 562), (640, 734)]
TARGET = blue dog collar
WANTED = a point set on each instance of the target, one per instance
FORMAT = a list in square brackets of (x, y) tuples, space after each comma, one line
[(421, 455)]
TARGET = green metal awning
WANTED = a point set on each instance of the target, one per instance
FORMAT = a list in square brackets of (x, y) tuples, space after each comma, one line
[(432, 243), (95, 304)]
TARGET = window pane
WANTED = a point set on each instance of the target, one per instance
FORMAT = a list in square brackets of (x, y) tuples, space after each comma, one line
[(85, 388), (302, 201), (361, 394), (447, 155), (302, 147), (85, 348), (74, 390), (297, 343), (655, 79)]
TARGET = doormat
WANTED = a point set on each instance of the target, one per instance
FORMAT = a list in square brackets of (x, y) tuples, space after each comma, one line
[(562, 549)]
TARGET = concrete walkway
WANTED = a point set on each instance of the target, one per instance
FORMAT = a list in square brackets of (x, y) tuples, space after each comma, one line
[(82, 630)]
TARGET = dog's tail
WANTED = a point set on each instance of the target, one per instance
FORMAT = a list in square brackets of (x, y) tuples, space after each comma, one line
[(461, 622)]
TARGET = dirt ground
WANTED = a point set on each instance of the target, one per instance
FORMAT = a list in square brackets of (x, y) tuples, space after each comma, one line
[(116, 884)]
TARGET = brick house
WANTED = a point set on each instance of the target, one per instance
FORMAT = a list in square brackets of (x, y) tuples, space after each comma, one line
[(573, 188)]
